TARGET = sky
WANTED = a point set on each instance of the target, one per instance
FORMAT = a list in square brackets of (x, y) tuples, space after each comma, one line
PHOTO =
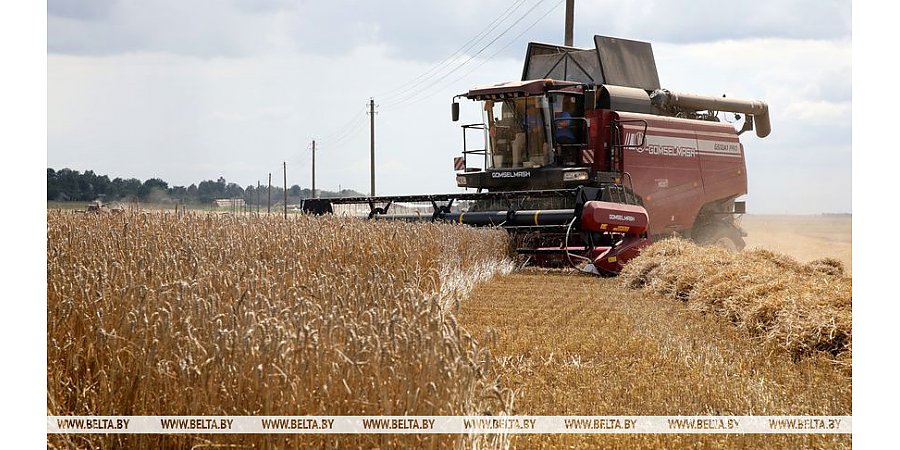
[(189, 91)]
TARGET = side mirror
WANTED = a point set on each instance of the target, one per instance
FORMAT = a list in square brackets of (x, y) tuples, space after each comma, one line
[(454, 108)]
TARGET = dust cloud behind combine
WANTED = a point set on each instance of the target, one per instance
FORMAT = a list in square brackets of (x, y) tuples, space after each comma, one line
[(804, 237)]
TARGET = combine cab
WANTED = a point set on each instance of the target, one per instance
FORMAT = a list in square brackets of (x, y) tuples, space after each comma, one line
[(587, 159)]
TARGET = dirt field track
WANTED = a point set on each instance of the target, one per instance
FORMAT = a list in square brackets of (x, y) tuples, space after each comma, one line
[(803, 237)]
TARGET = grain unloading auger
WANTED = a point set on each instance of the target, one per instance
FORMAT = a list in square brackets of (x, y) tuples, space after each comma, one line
[(588, 158)]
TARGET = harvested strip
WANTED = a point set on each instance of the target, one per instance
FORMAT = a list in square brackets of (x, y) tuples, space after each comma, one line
[(570, 344)]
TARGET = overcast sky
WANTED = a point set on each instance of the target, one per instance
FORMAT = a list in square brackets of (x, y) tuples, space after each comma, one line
[(194, 90)]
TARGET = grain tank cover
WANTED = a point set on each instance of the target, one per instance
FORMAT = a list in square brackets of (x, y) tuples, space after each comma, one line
[(615, 61), (561, 63), (627, 63)]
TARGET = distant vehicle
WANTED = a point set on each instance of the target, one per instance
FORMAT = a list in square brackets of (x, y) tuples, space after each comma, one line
[(97, 207)]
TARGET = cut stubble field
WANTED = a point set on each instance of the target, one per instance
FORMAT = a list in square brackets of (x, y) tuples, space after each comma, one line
[(690, 342), (574, 345)]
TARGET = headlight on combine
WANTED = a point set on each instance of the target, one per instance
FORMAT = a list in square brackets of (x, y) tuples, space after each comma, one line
[(580, 175), (460, 180)]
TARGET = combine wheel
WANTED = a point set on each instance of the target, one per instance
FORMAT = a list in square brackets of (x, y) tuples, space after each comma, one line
[(722, 235)]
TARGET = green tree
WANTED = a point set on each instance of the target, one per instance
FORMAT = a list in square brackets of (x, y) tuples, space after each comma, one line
[(232, 190), (192, 195), (68, 184), (127, 189), (152, 188), (52, 185)]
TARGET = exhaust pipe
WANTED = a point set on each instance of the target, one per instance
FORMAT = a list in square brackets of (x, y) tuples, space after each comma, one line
[(665, 99)]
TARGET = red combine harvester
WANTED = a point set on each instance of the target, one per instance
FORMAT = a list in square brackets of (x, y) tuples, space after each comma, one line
[(587, 159)]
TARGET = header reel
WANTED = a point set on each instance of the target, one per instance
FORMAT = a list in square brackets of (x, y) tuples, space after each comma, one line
[(592, 235)]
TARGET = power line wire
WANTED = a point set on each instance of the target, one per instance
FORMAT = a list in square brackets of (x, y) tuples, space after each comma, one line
[(339, 130), (470, 58), (459, 52), (348, 133), (354, 124), (512, 41), (453, 56), (483, 62)]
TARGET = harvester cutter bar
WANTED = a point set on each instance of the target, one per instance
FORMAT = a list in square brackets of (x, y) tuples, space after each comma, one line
[(441, 203), (444, 197), (552, 250)]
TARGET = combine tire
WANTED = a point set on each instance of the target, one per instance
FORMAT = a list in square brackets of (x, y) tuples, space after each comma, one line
[(724, 236)]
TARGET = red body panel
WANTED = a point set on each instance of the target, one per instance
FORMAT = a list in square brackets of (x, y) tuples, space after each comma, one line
[(614, 217), (599, 120), (681, 166), (606, 217), (611, 260), (628, 222)]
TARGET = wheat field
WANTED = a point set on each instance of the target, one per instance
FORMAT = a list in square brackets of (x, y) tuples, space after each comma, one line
[(153, 314), (207, 314)]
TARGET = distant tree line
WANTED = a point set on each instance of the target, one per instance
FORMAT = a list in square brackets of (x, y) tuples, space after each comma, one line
[(70, 185)]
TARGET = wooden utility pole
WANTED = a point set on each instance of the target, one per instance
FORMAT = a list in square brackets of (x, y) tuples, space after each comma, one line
[(372, 142), (570, 21), (257, 198), (269, 204), (285, 189), (314, 170)]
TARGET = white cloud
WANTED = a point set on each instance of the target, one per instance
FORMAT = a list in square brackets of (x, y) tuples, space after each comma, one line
[(210, 28), (819, 112), (241, 91)]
